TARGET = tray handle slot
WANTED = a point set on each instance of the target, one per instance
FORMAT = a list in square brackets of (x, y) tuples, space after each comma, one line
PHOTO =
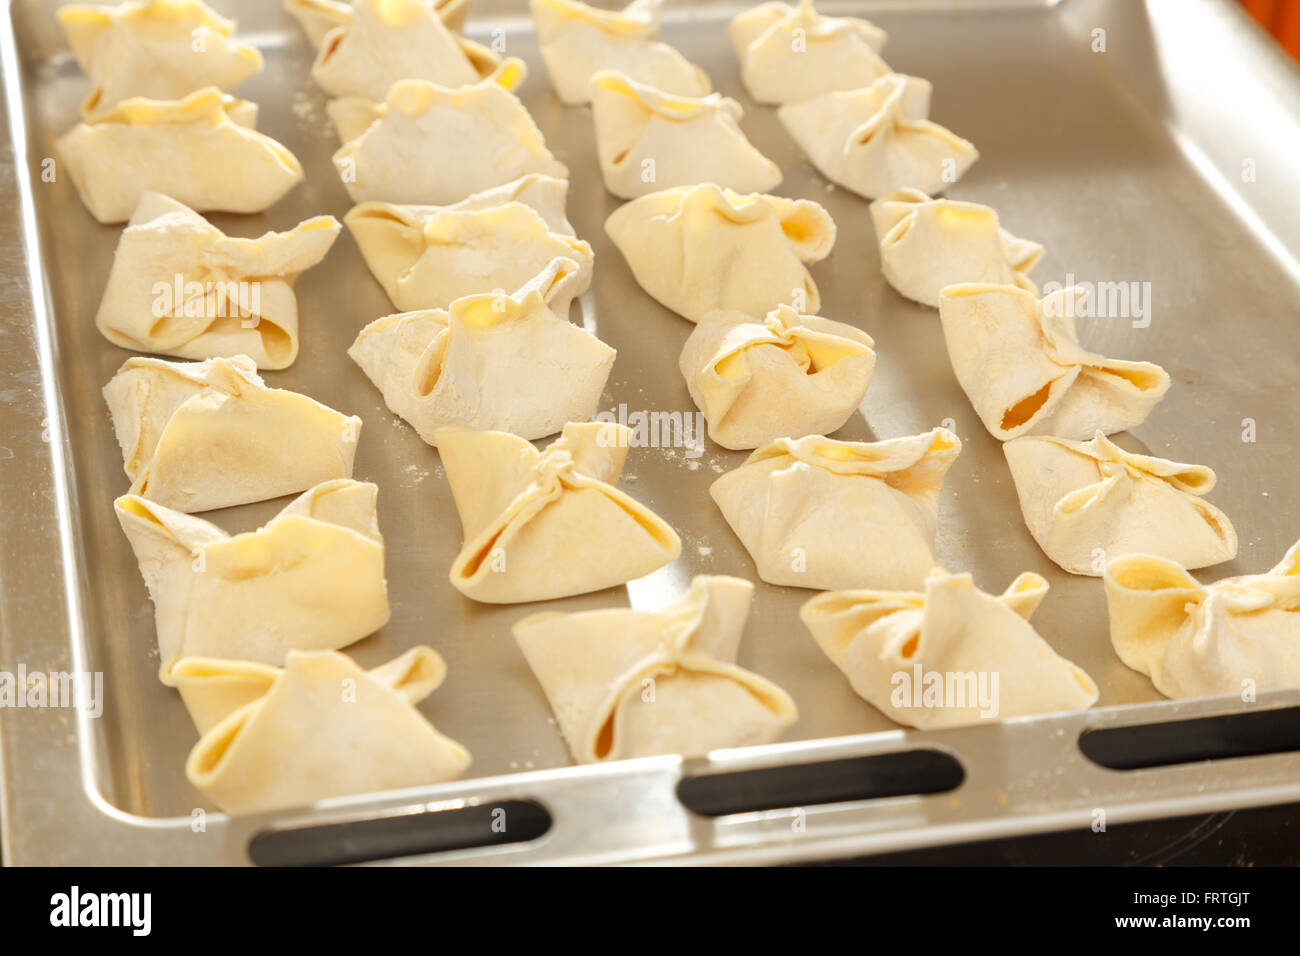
[(398, 835), (1143, 746), (905, 773)]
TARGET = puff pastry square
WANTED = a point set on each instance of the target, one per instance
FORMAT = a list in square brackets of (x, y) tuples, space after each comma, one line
[(892, 645), (788, 375), (427, 258), (311, 579), (180, 286), (834, 515), (159, 49), (626, 683), (577, 41), (320, 727), (927, 244), (318, 17), (877, 139), (202, 435), (504, 363), (548, 524), (648, 140), (1237, 635), (384, 41), (790, 53), (1088, 502), (1020, 363), (431, 145), (216, 161), (700, 248)]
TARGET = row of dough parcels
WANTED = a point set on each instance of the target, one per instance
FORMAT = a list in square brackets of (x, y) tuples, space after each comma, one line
[(467, 128), (161, 71), (724, 260), (167, 49), (206, 435), (541, 525), (658, 125), (250, 695)]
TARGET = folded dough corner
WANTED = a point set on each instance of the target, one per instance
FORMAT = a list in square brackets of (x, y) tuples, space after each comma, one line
[(788, 375), (310, 579), (927, 244), (626, 683), (578, 41), (180, 286), (1019, 361), (318, 17), (147, 49), (647, 140), (818, 513), (791, 52), (877, 139), (1237, 636), (949, 656), (696, 249), (1088, 502), (202, 435), (548, 524), (496, 362), (320, 727), (216, 160)]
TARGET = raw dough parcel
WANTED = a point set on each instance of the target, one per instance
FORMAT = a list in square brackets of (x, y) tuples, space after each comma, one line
[(548, 524), (626, 683), (311, 579)]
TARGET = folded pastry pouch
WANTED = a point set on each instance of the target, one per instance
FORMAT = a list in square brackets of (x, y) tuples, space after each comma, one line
[(541, 525), (506, 363), (545, 195), (628, 683), (788, 375), (219, 162), (648, 140), (430, 144), (321, 727), (218, 295), (202, 435), (700, 248), (1237, 635), (928, 244), (318, 17), (1088, 502), (427, 259), (820, 513), (577, 41), (384, 41), (791, 52), (876, 139), (950, 656), (312, 578), (1019, 361), (149, 49)]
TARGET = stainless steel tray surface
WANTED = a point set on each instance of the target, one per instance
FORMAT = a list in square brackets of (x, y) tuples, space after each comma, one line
[(1128, 165)]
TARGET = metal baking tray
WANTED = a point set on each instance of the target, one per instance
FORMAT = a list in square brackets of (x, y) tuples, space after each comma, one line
[(1169, 158)]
